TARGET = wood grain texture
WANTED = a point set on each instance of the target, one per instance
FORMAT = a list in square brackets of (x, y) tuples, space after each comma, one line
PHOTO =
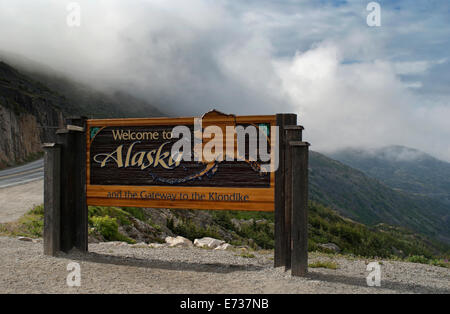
[(299, 260), (282, 120), (52, 199), (230, 177)]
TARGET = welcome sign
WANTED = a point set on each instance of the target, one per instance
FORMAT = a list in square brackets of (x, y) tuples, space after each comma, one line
[(215, 162)]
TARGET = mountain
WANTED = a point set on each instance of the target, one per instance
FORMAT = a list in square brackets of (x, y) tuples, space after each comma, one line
[(401, 168), (364, 199), (35, 100), (80, 98), (26, 106)]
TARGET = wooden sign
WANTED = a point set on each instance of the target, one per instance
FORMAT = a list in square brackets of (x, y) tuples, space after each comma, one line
[(134, 162), (129, 163)]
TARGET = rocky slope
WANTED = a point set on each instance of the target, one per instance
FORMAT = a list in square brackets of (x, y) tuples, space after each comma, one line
[(34, 100), (27, 109)]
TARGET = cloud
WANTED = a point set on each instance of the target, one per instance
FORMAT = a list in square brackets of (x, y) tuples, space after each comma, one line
[(351, 85)]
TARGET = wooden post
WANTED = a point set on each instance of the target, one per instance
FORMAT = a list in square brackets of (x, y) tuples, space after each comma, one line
[(299, 155), (66, 139), (74, 219), (291, 133), (77, 125), (52, 172), (283, 119)]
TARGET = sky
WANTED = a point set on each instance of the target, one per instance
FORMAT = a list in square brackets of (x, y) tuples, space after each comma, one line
[(350, 84)]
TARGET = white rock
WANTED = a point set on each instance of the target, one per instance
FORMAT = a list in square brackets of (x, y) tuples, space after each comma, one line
[(25, 239), (178, 241), (157, 245), (224, 247), (208, 242), (331, 246)]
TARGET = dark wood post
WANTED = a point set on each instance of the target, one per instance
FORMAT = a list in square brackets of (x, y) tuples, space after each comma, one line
[(291, 133), (52, 173), (283, 119), (66, 139), (77, 125), (299, 155), (74, 219)]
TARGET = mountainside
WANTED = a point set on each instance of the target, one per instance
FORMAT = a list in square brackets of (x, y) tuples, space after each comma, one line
[(401, 168), (82, 99), (33, 104), (364, 199), (25, 106)]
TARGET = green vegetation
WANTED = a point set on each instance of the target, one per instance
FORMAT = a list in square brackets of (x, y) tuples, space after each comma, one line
[(186, 228), (327, 226), (118, 214), (418, 173), (324, 264), (247, 255), (354, 238), (108, 228), (366, 200), (30, 225), (260, 229)]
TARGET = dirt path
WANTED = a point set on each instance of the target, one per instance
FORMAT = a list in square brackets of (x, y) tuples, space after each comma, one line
[(17, 200), (109, 268)]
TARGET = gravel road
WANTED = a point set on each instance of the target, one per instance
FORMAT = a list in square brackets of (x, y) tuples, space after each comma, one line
[(17, 200), (112, 268)]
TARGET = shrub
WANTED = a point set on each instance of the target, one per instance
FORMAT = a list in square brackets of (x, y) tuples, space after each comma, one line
[(136, 212), (418, 259), (321, 264), (186, 228), (122, 217), (108, 228)]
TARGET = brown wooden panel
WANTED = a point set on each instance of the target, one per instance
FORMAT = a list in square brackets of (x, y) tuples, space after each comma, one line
[(122, 159)]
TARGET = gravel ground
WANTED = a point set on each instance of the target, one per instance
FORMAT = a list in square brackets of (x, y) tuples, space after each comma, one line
[(112, 268)]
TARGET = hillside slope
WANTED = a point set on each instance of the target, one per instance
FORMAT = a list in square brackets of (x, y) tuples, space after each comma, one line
[(254, 230), (364, 199), (25, 107), (33, 104), (401, 168)]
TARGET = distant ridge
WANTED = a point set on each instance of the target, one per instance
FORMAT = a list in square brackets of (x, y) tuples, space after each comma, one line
[(402, 168), (367, 200)]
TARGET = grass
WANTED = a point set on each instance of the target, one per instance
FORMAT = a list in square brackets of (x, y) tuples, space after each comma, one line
[(430, 261), (108, 228), (247, 255), (324, 264), (29, 225)]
